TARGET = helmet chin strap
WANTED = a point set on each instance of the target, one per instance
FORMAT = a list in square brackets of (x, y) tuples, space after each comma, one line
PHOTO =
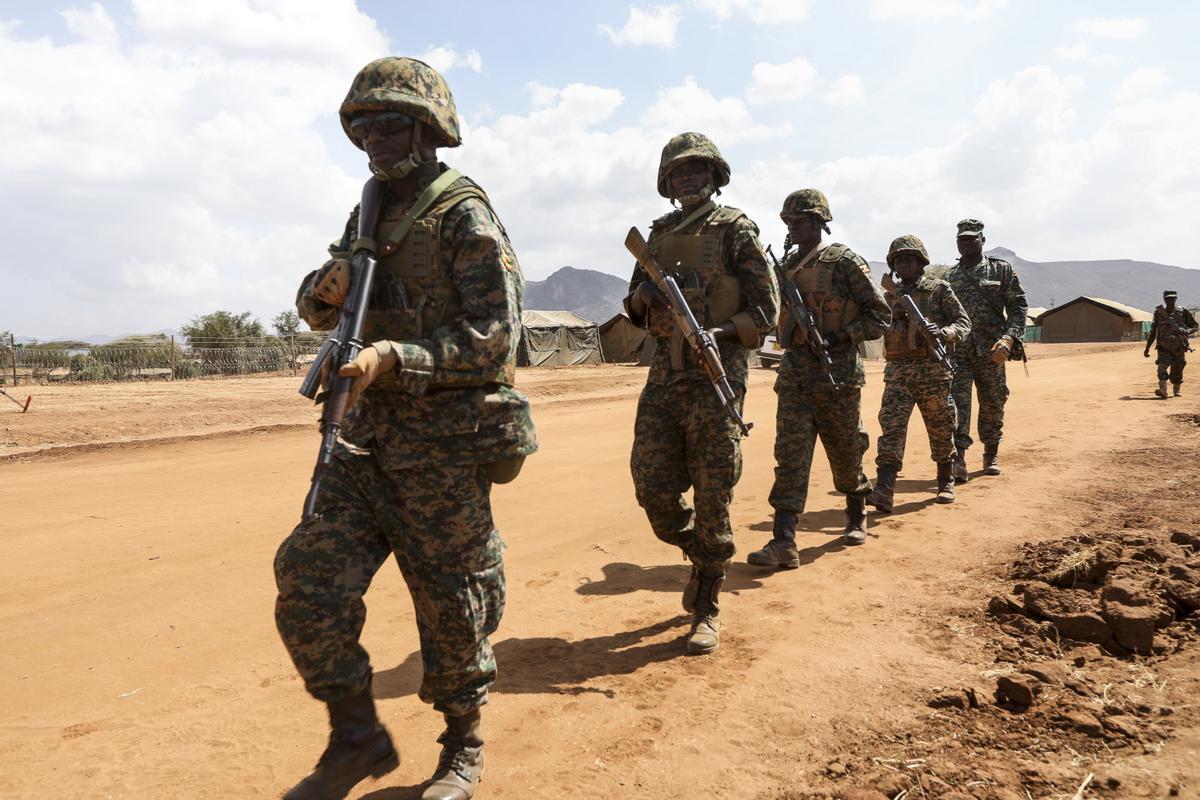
[(699, 197), (402, 169)]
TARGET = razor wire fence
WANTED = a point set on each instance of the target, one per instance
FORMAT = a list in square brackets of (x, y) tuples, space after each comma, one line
[(148, 359)]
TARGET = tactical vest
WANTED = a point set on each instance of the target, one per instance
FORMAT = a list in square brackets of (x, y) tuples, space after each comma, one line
[(1170, 338), (413, 292), (831, 311), (903, 339), (709, 285)]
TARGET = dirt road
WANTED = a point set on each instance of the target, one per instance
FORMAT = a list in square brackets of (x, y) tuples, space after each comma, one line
[(138, 656)]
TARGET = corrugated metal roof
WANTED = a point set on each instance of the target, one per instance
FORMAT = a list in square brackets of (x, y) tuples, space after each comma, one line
[(1135, 314), (554, 319)]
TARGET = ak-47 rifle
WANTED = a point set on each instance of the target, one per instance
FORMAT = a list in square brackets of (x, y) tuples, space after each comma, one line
[(1179, 331), (701, 340), (915, 317), (344, 342), (800, 314)]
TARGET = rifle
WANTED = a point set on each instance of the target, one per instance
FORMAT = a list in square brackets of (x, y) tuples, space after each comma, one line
[(917, 318), (804, 319), (702, 342), (1179, 331), (344, 342)]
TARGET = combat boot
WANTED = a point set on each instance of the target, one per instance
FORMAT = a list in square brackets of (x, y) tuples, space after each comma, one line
[(359, 747), (705, 635), (780, 552), (856, 520), (991, 459), (1161, 391), (460, 766), (885, 489), (1178, 387), (958, 467), (945, 493)]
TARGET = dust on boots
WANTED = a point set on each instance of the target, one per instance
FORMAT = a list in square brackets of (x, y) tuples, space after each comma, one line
[(991, 459), (780, 552), (705, 635), (856, 520), (460, 765), (884, 494), (359, 748)]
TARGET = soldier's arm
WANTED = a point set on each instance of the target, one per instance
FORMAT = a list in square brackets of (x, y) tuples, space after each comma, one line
[(472, 348), (1189, 321), (874, 314), (1015, 305), (635, 302), (319, 315), (955, 324), (758, 285)]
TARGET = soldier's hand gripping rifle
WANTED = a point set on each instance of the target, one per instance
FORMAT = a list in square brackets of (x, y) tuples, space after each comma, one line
[(915, 317), (345, 340), (794, 301), (701, 341)]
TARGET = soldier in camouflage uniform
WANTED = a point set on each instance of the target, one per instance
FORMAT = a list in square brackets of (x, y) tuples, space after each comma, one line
[(435, 422), (912, 375), (682, 437), (1172, 342), (991, 293), (849, 308)]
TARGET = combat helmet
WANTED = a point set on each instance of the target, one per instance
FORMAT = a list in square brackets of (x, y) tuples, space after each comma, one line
[(691, 145), (405, 85), (907, 244), (806, 201)]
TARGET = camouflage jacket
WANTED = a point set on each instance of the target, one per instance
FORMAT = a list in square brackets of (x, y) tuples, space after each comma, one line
[(850, 290), (941, 307), (1166, 335), (992, 295), (447, 402), (739, 256)]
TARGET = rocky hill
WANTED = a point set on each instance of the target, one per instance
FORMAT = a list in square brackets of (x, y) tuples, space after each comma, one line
[(591, 294)]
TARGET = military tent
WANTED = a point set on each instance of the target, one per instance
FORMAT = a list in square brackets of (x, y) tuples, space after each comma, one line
[(557, 338), (621, 341), (1094, 319)]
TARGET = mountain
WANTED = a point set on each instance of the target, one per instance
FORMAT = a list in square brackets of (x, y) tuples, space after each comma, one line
[(593, 295), (1135, 283)]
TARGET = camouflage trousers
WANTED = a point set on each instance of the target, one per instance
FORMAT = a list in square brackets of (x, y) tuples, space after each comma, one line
[(683, 439), (437, 521), (991, 387), (1170, 365), (932, 396), (800, 418)]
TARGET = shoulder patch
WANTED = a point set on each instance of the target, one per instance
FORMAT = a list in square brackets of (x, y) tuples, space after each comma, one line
[(669, 218), (834, 252), (723, 215)]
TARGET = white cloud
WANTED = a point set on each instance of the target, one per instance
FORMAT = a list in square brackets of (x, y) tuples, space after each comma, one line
[(1111, 27), (846, 91), (762, 12), (654, 25), (1082, 51), (935, 10), (1143, 81), (93, 25), (774, 83), (445, 58), (689, 107)]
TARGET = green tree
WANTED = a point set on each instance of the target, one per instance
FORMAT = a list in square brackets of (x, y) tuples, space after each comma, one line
[(286, 323), (223, 329)]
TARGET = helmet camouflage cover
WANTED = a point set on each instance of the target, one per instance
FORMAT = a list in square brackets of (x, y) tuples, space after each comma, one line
[(686, 146), (806, 201), (907, 244), (407, 86)]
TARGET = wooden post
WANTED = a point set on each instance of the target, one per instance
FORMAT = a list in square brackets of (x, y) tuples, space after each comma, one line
[(292, 354), (172, 356), (12, 343)]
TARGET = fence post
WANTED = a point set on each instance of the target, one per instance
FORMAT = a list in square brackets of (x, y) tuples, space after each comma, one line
[(12, 343), (172, 356), (292, 354)]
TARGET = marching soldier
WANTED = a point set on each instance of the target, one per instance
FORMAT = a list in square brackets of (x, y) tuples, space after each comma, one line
[(1171, 328)]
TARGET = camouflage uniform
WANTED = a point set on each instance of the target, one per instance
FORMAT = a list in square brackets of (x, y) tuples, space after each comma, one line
[(682, 437), (837, 287), (912, 376), (418, 452), (1171, 349), (992, 295)]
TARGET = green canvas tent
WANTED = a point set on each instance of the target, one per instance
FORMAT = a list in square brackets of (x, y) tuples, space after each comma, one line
[(557, 338)]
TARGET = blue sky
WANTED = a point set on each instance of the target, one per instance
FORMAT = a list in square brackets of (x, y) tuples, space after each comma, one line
[(182, 157)]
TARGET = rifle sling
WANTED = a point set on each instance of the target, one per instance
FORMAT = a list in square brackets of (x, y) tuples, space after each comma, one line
[(424, 200), (703, 211)]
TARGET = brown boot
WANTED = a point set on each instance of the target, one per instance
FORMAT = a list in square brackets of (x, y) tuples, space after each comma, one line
[(780, 552), (958, 467), (359, 748), (991, 459), (705, 635), (885, 489), (945, 483), (460, 766), (856, 520)]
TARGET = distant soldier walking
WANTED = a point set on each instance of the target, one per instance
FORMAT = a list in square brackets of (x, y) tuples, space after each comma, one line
[(683, 437), (847, 308), (913, 374), (1171, 328), (435, 422), (990, 291)]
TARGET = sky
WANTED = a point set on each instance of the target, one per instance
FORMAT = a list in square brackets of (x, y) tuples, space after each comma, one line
[(163, 159)]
